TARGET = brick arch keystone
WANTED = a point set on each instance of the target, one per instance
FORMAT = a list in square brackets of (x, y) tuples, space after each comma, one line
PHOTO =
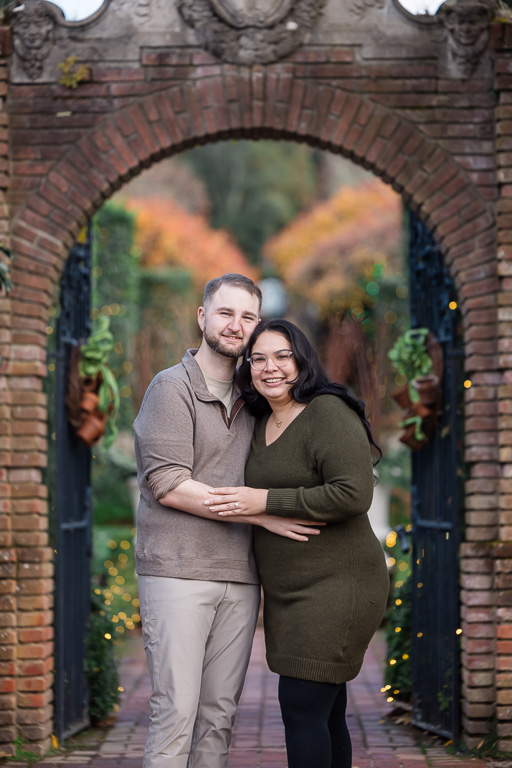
[(163, 123)]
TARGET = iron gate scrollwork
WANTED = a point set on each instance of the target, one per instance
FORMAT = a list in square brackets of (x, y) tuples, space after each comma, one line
[(436, 470), (73, 510)]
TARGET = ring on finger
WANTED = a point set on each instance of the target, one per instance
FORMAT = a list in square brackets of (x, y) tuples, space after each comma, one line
[(236, 504)]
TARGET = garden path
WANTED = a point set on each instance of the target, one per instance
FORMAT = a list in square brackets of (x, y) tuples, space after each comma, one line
[(258, 741)]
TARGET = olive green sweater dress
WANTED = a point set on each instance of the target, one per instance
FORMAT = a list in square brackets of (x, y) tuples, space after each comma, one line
[(324, 598)]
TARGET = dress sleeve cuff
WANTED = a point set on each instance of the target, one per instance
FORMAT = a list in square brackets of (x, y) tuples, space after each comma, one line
[(281, 501)]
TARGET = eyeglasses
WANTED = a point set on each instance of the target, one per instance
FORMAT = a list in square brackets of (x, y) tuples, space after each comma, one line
[(280, 358)]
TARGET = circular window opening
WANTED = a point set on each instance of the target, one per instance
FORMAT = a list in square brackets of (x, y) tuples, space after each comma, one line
[(77, 10), (421, 7)]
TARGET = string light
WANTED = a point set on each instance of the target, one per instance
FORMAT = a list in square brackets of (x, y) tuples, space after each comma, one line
[(468, 383), (452, 305)]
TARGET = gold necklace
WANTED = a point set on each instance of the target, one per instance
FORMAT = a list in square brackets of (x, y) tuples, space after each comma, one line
[(278, 423)]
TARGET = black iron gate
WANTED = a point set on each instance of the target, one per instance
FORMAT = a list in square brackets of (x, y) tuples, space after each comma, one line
[(435, 508), (73, 512)]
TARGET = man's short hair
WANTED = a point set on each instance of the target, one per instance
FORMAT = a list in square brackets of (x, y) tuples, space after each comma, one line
[(237, 281)]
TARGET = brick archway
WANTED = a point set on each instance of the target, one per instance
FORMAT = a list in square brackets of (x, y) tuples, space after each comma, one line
[(270, 102), (426, 175)]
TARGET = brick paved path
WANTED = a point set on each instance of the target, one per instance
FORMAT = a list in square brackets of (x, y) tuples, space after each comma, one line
[(258, 740)]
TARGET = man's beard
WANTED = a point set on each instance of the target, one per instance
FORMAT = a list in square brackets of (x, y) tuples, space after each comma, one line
[(215, 343)]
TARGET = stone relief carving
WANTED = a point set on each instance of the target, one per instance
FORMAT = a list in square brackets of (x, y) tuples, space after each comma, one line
[(359, 7), (251, 14), (466, 23), (251, 31), (33, 29), (142, 8)]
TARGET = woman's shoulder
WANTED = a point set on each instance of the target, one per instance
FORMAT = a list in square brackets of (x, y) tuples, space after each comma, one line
[(330, 410), (329, 404)]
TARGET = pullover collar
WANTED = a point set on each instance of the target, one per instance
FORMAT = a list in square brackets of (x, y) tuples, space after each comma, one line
[(203, 393)]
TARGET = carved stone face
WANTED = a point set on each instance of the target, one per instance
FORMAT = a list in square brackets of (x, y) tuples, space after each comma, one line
[(251, 31), (467, 24), (34, 28), (252, 13)]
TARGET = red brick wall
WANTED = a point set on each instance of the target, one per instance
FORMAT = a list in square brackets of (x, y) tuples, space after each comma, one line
[(502, 576), (437, 141), (8, 565)]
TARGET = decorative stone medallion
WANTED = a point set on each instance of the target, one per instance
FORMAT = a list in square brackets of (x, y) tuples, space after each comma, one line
[(251, 31), (33, 29)]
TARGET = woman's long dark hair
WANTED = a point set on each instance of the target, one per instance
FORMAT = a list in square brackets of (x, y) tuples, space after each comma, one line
[(311, 380)]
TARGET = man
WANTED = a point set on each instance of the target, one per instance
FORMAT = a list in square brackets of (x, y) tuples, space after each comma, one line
[(198, 586)]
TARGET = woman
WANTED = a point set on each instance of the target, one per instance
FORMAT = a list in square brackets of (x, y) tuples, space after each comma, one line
[(324, 601)]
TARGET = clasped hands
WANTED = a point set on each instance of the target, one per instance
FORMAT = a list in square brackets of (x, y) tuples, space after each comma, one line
[(252, 503), (228, 502)]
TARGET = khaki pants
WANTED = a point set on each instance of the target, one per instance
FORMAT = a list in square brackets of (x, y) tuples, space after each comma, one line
[(198, 638)]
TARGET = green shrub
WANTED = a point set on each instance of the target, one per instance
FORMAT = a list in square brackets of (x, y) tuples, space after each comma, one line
[(100, 661), (114, 575)]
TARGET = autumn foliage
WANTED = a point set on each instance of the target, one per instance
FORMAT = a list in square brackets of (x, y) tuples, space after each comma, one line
[(168, 236), (323, 252)]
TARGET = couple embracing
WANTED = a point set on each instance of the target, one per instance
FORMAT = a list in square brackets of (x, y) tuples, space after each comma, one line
[(256, 474)]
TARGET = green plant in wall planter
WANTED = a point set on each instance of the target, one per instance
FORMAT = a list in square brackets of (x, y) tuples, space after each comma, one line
[(417, 422), (411, 359), (420, 395), (99, 402)]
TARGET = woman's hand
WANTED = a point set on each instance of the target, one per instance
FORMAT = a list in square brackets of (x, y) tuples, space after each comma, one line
[(230, 502), (290, 528)]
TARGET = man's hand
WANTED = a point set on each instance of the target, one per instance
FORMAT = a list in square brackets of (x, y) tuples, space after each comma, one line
[(299, 530), (232, 502)]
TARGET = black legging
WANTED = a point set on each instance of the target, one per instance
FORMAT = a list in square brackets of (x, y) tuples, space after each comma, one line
[(314, 720)]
